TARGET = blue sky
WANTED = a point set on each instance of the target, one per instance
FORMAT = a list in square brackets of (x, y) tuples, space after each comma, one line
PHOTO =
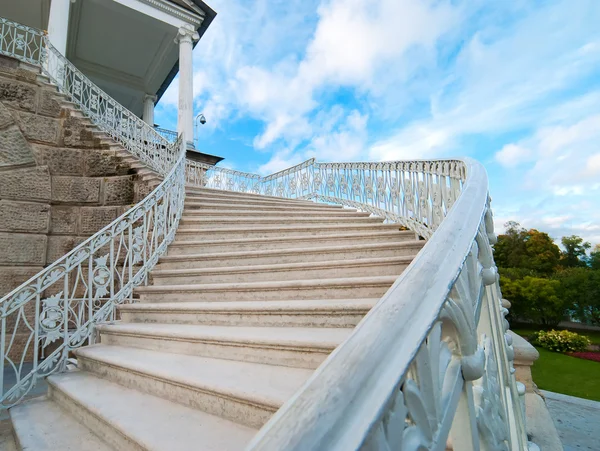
[(514, 84)]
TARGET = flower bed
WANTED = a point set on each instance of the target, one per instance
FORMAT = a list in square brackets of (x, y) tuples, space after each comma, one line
[(587, 355)]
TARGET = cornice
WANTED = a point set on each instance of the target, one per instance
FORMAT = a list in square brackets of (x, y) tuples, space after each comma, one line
[(176, 11)]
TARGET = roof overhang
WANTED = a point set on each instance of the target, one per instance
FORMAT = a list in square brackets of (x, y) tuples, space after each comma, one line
[(126, 47)]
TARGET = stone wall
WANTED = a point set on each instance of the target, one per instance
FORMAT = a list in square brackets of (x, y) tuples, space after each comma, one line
[(59, 184)]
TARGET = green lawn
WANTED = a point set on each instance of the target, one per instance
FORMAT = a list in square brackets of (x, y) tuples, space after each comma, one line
[(561, 373), (525, 330)]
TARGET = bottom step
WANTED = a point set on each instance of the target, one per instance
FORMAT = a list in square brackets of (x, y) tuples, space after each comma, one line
[(40, 425), (132, 420)]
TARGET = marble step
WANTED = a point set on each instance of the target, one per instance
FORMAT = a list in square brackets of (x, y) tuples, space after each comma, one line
[(201, 193), (287, 346), (270, 231), (234, 222), (340, 288), (243, 392), (181, 247), (290, 255), (40, 424), (288, 271), (262, 213), (277, 313), (232, 203), (132, 420)]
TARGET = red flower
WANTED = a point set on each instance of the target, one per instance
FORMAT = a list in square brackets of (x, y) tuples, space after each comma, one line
[(589, 355)]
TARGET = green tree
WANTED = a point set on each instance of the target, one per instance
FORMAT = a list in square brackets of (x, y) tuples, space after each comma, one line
[(529, 250), (595, 258), (534, 299), (574, 254), (510, 247), (580, 289)]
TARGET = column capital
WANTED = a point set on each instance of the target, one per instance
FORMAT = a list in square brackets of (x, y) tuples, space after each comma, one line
[(187, 33), (148, 97)]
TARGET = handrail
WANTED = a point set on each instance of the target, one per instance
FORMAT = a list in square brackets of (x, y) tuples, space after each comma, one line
[(430, 366), (56, 310), (138, 137), (169, 135)]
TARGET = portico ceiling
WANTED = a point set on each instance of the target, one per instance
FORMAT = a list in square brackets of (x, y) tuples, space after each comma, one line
[(126, 47), (126, 53)]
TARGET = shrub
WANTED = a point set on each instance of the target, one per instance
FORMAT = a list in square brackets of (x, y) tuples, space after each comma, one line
[(561, 341)]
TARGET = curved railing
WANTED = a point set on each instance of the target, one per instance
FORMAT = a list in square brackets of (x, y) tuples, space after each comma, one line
[(56, 311), (430, 366)]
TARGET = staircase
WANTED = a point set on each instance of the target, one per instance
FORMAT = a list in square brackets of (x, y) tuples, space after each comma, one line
[(230, 306), (253, 295)]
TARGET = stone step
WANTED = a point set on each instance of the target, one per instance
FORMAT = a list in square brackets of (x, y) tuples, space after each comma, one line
[(339, 288), (387, 266), (287, 346), (209, 204), (40, 424), (233, 222), (235, 202), (131, 420), (290, 255), (260, 213), (184, 234), (243, 392), (305, 313), (221, 193), (181, 247), (235, 196)]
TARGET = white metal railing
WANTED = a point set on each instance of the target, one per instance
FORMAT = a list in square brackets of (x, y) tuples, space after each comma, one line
[(430, 366), (169, 135), (415, 194), (56, 311)]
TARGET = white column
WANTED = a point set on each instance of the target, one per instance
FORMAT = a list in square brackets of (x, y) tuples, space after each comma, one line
[(149, 109), (185, 117), (58, 24)]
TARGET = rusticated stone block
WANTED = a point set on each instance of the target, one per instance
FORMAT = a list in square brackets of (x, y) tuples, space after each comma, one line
[(8, 64), (75, 134), (29, 75), (75, 189), (13, 276), (118, 190), (39, 128), (48, 104), (60, 245), (22, 248), (26, 184), (17, 94), (24, 217), (64, 220), (60, 161), (98, 164), (96, 218), (14, 148), (6, 118)]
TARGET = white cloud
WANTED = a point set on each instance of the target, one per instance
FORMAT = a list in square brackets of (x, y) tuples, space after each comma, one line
[(404, 79), (566, 156), (500, 81), (512, 155), (592, 167)]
